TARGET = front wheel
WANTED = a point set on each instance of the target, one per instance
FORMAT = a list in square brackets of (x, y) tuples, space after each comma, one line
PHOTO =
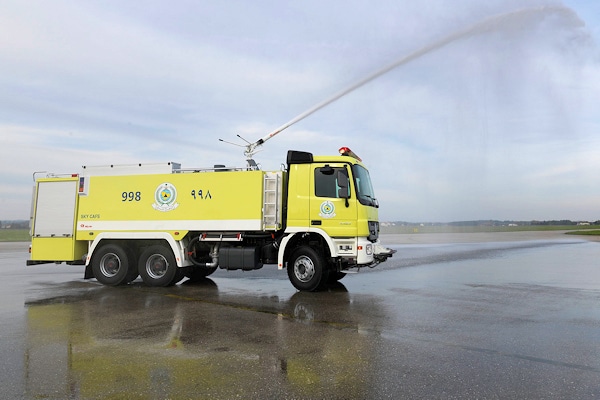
[(335, 276), (307, 269), (157, 266)]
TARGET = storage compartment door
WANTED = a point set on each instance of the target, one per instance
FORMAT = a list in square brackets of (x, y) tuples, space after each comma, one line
[(55, 209)]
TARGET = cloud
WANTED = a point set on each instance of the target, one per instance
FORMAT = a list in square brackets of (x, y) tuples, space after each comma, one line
[(486, 126)]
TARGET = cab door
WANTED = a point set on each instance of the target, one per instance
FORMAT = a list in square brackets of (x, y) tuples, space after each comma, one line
[(333, 206)]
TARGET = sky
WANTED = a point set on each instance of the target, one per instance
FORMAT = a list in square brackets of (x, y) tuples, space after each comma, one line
[(491, 113)]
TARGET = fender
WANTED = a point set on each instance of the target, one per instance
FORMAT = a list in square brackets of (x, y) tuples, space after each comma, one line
[(176, 245), (293, 232)]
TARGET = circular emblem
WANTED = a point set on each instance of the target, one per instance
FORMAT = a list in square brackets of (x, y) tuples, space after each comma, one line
[(165, 197), (327, 209)]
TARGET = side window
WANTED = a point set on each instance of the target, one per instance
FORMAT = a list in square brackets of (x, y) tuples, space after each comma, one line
[(326, 184)]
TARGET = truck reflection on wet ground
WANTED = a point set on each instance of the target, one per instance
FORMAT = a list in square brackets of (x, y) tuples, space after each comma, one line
[(195, 339)]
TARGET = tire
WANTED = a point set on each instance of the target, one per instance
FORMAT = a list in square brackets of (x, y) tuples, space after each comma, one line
[(307, 270), (157, 266), (112, 265), (133, 274), (335, 276), (196, 274), (133, 270)]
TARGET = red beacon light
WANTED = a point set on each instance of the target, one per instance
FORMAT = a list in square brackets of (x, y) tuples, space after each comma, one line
[(345, 151)]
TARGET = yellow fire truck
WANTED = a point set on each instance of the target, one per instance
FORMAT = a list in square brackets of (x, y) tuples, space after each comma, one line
[(317, 218)]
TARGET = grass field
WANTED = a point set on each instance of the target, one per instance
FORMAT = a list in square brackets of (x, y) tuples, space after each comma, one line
[(14, 235), (589, 232)]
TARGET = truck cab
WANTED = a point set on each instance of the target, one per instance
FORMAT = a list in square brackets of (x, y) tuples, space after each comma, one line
[(332, 219)]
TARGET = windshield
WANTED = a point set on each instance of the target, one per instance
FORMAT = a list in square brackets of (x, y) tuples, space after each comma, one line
[(364, 189)]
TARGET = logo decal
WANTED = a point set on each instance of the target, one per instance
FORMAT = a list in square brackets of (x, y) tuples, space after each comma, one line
[(327, 209), (165, 197)]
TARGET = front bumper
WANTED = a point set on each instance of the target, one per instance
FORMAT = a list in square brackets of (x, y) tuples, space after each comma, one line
[(361, 252)]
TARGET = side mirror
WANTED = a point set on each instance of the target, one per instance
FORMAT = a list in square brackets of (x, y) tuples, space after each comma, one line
[(343, 183)]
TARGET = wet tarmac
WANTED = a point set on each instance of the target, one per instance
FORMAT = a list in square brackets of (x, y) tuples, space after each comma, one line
[(478, 316)]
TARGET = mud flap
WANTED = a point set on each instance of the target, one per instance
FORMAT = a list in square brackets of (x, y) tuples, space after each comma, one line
[(89, 274)]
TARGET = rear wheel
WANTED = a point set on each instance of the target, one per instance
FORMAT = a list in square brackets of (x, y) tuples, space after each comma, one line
[(307, 269), (132, 272), (112, 265), (157, 266)]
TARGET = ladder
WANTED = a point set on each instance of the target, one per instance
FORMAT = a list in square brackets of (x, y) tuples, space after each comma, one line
[(272, 182)]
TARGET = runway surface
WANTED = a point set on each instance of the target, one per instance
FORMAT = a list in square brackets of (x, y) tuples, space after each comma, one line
[(488, 316)]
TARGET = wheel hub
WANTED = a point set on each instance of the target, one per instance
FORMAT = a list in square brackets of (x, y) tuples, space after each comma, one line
[(156, 266), (110, 265), (304, 269)]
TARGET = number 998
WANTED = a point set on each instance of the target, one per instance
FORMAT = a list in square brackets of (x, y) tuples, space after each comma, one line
[(131, 196)]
